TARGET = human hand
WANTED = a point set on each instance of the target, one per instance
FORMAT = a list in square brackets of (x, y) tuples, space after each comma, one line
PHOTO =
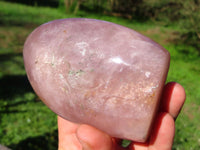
[(74, 136)]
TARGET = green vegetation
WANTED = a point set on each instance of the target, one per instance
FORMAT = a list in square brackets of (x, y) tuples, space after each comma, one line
[(27, 124)]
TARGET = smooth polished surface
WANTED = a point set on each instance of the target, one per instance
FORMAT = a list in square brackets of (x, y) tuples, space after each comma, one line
[(98, 73)]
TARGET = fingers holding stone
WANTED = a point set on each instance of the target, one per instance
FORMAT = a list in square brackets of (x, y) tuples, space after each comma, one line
[(84, 137), (173, 99), (66, 127), (67, 135), (163, 133), (93, 139), (162, 136), (87, 137)]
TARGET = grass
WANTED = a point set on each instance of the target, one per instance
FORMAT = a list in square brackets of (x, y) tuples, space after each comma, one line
[(26, 123)]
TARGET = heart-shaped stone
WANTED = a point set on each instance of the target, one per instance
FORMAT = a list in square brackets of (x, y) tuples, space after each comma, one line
[(98, 73)]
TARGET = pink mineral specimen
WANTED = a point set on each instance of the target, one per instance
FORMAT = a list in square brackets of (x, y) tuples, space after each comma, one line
[(98, 73)]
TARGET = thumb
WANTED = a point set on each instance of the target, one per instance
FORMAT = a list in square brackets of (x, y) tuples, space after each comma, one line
[(93, 139)]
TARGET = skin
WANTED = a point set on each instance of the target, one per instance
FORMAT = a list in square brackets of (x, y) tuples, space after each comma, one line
[(84, 137)]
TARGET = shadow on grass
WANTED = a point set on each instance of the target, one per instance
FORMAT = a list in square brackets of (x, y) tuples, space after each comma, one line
[(14, 85), (16, 22), (8, 56), (12, 57), (47, 141)]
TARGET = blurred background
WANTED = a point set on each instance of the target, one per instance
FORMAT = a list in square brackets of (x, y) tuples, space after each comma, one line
[(27, 124)]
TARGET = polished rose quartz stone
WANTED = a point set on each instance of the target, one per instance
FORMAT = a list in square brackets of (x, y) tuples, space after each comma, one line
[(98, 73)]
